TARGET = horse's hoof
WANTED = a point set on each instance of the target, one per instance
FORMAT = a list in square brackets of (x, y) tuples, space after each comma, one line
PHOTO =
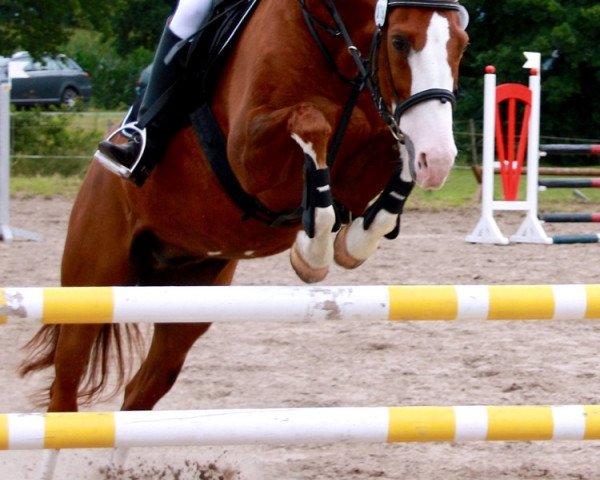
[(341, 256), (306, 273)]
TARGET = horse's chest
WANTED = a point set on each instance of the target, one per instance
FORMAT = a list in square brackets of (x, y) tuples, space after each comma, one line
[(218, 234)]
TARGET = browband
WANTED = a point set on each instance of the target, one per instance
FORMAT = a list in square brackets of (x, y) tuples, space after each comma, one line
[(382, 7)]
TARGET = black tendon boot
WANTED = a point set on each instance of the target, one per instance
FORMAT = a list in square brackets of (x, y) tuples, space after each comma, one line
[(146, 140)]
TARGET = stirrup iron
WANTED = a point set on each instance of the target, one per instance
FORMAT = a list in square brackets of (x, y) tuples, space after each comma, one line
[(127, 130)]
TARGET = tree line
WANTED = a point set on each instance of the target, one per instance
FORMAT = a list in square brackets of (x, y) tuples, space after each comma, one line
[(114, 40)]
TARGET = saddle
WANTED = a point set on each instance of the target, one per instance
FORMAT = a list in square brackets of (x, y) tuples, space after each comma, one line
[(210, 46), (201, 57)]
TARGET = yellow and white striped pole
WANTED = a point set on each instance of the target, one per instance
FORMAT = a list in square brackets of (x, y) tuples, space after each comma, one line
[(298, 425), (298, 304)]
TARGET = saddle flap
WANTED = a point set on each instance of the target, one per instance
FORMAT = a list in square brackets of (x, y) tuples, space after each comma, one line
[(211, 45)]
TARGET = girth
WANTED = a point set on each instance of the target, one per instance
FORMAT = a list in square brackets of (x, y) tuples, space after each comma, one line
[(213, 144), (214, 42)]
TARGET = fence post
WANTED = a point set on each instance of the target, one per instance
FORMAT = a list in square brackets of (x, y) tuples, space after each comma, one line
[(7, 233), (531, 230)]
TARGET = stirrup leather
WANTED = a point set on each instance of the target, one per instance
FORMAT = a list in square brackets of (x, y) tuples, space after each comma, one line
[(127, 130)]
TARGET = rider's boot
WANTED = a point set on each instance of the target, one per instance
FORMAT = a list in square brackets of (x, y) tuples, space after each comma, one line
[(145, 143)]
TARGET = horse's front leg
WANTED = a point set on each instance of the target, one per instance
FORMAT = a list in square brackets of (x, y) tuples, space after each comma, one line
[(312, 252), (356, 242)]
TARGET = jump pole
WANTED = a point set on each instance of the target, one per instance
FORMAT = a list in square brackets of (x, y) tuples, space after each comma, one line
[(570, 217), (93, 305), (283, 426), (576, 238), (569, 149), (569, 183)]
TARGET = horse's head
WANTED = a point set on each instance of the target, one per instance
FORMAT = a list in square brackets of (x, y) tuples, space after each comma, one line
[(421, 46)]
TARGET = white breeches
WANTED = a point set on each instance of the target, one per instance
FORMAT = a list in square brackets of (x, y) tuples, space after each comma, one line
[(189, 16)]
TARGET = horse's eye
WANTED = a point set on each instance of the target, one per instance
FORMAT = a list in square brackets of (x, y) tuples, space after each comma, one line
[(401, 43)]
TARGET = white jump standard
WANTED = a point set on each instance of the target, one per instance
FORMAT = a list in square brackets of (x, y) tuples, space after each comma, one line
[(7, 232), (512, 166), (531, 230)]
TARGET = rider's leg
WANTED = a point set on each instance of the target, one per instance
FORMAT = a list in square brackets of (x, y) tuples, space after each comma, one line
[(121, 158), (189, 17)]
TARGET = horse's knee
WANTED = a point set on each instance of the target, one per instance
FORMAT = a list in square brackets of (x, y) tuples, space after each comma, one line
[(309, 127), (149, 385), (312, 252)]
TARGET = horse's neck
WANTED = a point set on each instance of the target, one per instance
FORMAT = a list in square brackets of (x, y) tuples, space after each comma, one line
[(275, 65), (277, 55)]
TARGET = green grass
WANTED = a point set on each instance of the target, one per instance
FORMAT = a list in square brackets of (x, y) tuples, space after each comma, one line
[(460, 191), (95, 121), (68, 141), (45, 186), (45, 143)]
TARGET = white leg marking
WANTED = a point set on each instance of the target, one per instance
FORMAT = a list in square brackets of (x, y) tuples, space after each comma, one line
[(118, 458), (361, 243), (318, 251), (307, 148), (49, 460), (405, 175), (429, 66), (429, 124)]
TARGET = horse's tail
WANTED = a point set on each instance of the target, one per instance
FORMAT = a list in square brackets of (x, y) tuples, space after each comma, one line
[(112, 344)]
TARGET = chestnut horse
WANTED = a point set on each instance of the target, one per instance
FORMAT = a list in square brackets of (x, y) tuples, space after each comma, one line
[(302, 71)]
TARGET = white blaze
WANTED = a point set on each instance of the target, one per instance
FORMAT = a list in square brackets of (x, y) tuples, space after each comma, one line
[(429, 124)]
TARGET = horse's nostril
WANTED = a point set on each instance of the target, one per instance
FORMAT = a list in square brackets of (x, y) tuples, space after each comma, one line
[(422, 162)]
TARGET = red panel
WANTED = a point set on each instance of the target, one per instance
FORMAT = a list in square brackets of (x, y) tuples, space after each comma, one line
[(511, 149)]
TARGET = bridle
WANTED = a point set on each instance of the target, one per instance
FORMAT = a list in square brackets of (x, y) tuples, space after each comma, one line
[(397, 190), (368, 68)]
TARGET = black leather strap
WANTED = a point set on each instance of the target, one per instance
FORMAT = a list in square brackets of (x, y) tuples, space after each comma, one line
[(431, 94), (425, 4), (391, 200), (213, 143)]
